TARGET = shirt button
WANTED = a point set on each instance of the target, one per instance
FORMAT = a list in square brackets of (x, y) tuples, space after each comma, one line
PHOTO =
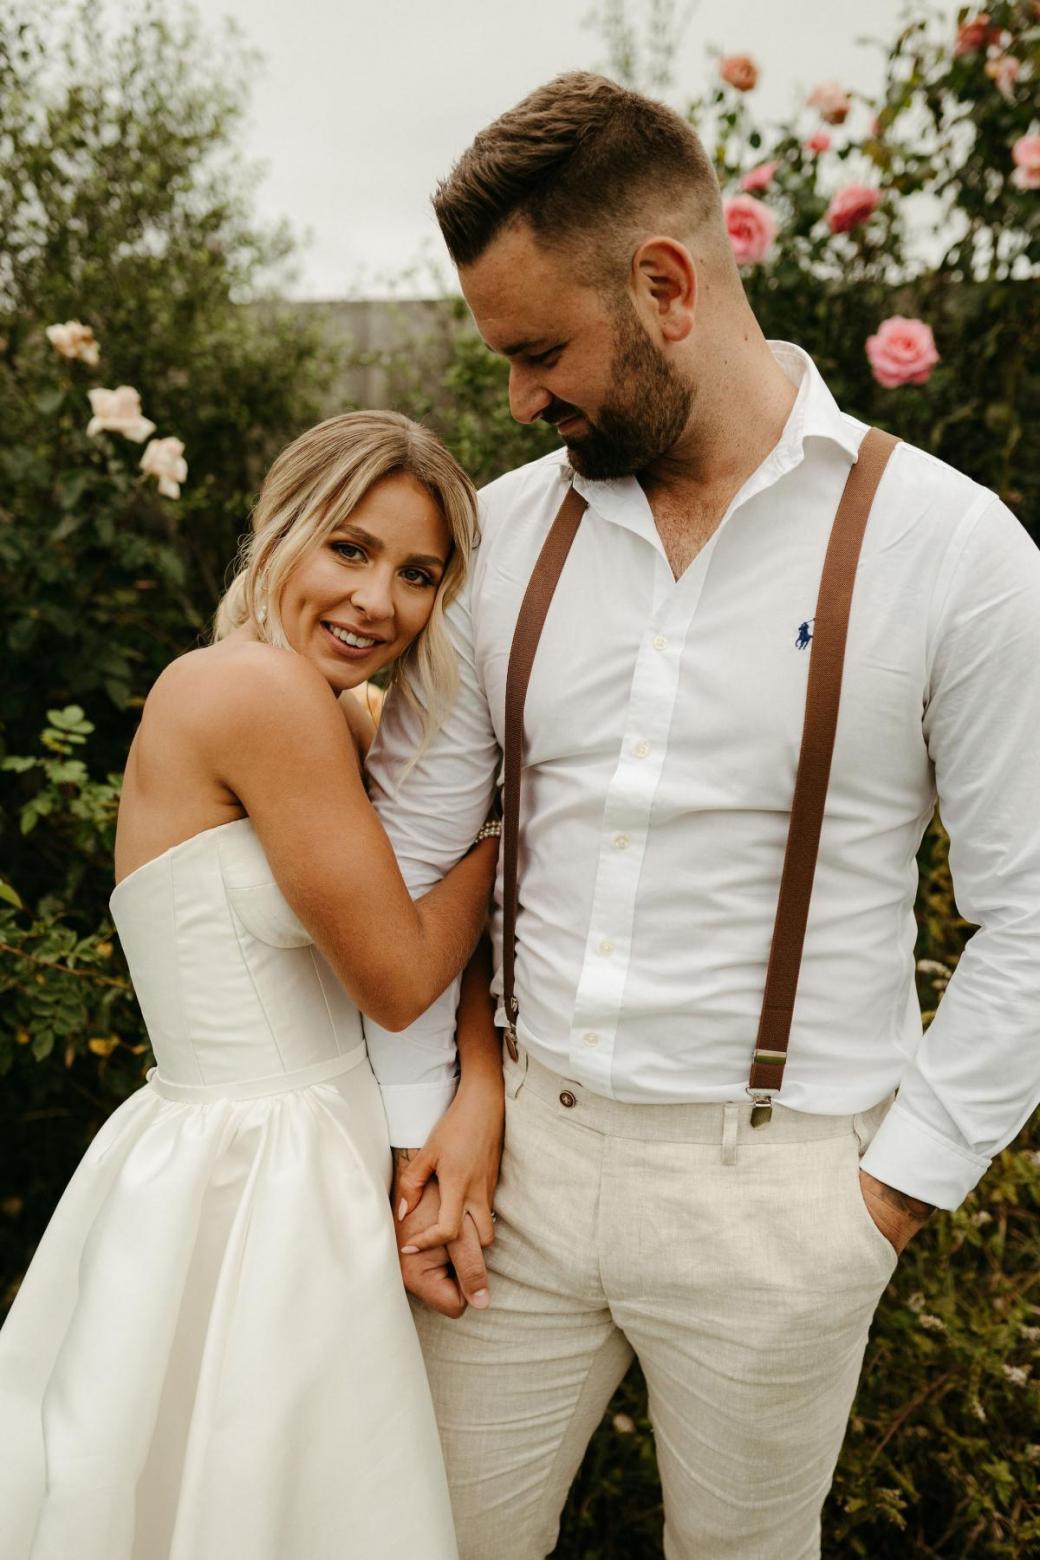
[(659, 642), (621, 842), (590, 1039), (567, 1099), (641, 749), (606, 946)]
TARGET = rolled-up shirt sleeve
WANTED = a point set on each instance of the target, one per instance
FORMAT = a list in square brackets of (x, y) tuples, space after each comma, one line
[(431, 808), (975, 1079)]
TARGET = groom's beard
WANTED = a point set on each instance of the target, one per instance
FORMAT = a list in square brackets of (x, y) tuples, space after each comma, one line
[(645, 412)]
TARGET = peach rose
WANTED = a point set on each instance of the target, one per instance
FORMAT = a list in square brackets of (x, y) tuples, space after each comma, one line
[(820, 142), (164, 460), (739, 71), (832, 101), (850, 206), (975, 34), (1004, 70), (118, 411), (1026, 156), (759, 178), (751, 227), (902, 353), (73, 340)]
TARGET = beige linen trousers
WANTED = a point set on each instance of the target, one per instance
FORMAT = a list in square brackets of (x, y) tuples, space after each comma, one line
[(739, 1264)]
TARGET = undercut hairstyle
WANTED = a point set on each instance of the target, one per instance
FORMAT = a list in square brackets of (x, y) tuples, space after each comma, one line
[(591, 167)]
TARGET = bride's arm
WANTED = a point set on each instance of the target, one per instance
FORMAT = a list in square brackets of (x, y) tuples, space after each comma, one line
[(274, 735), (465, 1147)]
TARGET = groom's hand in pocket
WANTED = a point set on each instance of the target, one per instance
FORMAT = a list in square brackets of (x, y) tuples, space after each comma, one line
[(445, 1277)]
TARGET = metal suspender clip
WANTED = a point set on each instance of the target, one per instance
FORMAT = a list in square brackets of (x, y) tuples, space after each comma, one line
[(510, 1031), (762, 1097), (761, 1107)]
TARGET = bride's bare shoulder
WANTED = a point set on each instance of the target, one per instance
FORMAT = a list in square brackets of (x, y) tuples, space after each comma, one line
[(236, 688)]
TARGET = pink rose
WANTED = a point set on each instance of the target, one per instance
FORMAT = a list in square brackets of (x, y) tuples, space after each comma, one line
[(850, 206), (751, 227), (740, 71), (1004, 69), (902, 353), (832, 100), (759, 178), (820, 142), (164, 460), (975, 34), (1026, 156)]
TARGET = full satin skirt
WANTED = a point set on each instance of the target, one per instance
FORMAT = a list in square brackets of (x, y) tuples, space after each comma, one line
[(212, 1357)]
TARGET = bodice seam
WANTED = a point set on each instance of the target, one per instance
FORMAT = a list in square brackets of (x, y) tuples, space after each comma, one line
[(247, 964)]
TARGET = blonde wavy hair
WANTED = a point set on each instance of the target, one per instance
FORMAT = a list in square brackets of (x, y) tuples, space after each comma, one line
[(309, 491)]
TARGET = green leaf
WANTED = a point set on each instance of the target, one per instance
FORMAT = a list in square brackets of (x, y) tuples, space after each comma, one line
[(48, 401), (71, 487), (70, 719), (43, 1044), (10, 896)]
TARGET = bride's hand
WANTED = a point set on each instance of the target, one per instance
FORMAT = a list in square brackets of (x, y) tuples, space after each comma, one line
[(463, 1151)]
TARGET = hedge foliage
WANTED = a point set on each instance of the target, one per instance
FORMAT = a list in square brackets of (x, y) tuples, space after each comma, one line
[(123, 206)]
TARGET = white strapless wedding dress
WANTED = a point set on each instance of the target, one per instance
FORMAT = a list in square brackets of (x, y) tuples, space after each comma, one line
[(211, 1356)]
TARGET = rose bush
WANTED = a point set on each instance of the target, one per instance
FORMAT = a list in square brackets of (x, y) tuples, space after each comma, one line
[(130, 265)]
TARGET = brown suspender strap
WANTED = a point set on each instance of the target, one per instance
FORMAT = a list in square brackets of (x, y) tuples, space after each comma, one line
[(823, 696), (528, 631)]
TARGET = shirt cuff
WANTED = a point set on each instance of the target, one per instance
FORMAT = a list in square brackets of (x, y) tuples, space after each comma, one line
[(414, 1109), (919, 1161)]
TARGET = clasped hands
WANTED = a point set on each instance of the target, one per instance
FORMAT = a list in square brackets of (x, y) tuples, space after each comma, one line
[(442, 1197)]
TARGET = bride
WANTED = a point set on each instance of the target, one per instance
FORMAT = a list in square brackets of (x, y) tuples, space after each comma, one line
[(211, 1356)]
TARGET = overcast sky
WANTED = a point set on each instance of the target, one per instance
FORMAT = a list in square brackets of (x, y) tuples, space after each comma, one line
[(361, 105)]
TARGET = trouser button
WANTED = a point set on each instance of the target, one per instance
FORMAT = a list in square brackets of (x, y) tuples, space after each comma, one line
[(567, 1099)]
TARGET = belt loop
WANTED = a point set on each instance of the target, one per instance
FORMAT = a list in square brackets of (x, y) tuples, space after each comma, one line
[(730, 1122)]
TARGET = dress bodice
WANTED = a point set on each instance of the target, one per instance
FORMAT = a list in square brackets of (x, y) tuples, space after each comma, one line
[(230, 983)]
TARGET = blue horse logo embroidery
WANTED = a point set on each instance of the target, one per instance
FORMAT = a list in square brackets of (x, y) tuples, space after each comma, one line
[(804, 635)]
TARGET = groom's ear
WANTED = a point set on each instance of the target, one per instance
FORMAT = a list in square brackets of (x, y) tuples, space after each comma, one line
[(664, 281)]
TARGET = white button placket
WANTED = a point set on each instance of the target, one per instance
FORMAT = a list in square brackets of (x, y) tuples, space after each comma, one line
[(626, 823)]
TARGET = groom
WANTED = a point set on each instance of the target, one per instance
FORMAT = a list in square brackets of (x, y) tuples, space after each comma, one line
[(640, 1209)]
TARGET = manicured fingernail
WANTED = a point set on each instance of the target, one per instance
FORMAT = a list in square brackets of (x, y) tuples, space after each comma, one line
[(480, 1299), (409, 1251), (402, 1209)]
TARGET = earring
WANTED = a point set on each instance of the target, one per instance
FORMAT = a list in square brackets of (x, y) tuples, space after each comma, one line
[(260, 599)]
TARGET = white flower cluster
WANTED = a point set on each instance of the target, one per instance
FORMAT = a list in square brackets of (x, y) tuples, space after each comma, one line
[(73, 340), (119, 411)]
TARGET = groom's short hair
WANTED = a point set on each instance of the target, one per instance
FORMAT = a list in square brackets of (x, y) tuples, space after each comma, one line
[(586, 163)]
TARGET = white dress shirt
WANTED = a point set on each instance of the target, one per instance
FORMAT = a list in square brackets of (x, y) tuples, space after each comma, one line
[(663, 726)]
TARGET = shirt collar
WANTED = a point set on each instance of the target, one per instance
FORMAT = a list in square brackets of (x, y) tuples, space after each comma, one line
[(814, 415)]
